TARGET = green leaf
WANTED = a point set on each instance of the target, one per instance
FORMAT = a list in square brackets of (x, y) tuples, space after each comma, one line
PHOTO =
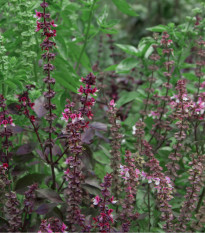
[(3, 221), (74, 51), (129, 49), (158, 28), (166, 148), (124, 7), (62, 81), (10, 84), (109, 31), (101, 157), (101, 20), (106, 151), (111, 68), (145, 47), (127, 97), (126, 65)]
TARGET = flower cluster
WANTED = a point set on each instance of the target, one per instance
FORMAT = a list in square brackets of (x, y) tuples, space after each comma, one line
[(105, 219), (128, 173), (192, 110), (52, 225), (197, 108)]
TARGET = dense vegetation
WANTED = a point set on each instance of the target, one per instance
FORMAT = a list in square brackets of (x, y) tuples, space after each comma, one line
[(102, 116)]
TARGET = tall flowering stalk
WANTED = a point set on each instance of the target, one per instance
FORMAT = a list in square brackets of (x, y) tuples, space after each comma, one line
[(105, 220), (138, 132), (112, 75), (4, 64), (164, 187), (116, 139), (200, 63), (162, 182), (26, 106), (200, 216), (13, 212), (11, 207), (160, 123), (154, 57), (96, 66), (6, 132), (4, 183), (130, 175), (192, 195), (181, 104), (48, 45), (29, 202), (74, 128)]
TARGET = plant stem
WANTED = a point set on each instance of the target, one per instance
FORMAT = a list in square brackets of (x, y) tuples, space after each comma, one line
[(149, 207), (62, 155), (86, 36), (59, 189), (200, 201)]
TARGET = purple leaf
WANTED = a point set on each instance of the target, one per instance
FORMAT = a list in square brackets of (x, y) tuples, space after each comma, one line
[(25, 149), (39, 107), (98, 126), (88, 135), (22, 184), (49, 194), (45, 208)]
